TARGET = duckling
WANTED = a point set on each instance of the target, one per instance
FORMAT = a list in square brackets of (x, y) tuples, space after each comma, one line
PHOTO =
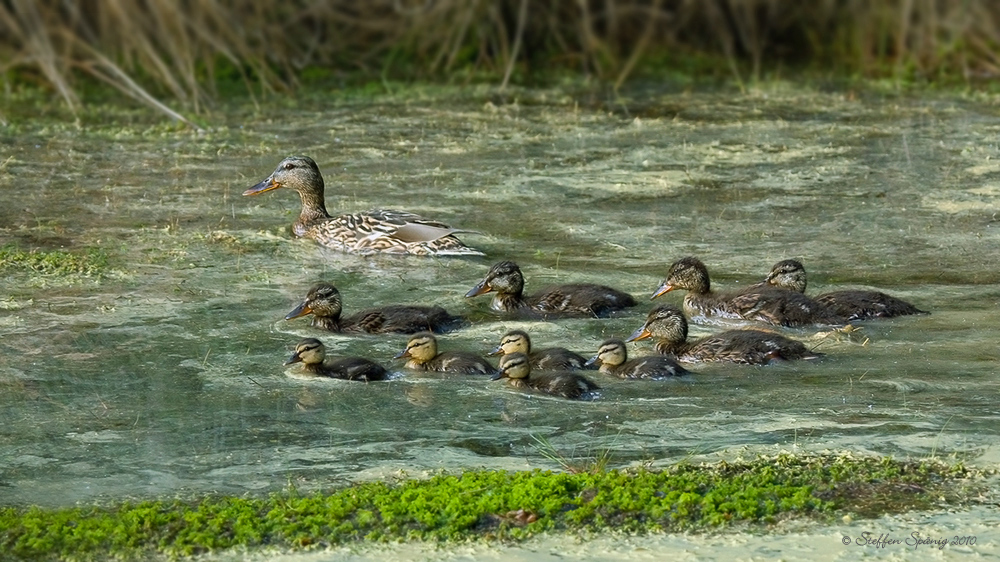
[(505, 279), (365, 233), (516, 368), (612, 359), (852, 304), (312, 354), (323, 302), (668, 325), (553, 358), (423, 355), (756, 303)]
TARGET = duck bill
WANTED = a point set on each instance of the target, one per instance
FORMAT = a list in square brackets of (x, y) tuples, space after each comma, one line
[(402, 354), (662, 289), (266, 185), (295, 358), (480, 289), (498, 375), (300, 310), (496, 351), (595, 360), (640, 334)]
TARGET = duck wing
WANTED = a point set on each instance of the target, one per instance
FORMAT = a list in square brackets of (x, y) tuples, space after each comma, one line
[(782, 308), (862, 305), (401, 319), (582, 298)]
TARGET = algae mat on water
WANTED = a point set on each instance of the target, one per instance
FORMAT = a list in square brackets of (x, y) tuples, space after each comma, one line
[(496, 505)]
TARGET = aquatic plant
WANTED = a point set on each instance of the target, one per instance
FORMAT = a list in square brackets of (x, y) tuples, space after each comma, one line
[(494, 505), (89, 263)]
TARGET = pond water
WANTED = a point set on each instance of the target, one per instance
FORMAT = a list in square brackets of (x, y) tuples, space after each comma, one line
[(165, 376)]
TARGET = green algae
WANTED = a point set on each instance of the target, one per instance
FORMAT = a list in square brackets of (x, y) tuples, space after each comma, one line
[(90, 262), (495, 505)]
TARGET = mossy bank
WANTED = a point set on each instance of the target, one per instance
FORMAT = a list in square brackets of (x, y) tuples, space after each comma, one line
[(497, 505)]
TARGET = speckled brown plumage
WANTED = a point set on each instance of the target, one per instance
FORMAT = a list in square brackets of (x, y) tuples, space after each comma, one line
[(667, 324), (612, 359), (516, 368), (368, 232), (757, 303), (312, 354), (324, 303), (852, 304), (422, 355), (506, 281)]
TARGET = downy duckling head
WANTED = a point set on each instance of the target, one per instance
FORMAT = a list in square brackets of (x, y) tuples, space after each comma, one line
[(513, 366), (421, 348), (665, 322), (322, 301), (611, 354), (513, 341), (309, 351), (686, 273), (504, 277), (788, 274)]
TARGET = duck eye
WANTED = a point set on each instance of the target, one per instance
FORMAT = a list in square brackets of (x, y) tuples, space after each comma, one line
[(288, 166)]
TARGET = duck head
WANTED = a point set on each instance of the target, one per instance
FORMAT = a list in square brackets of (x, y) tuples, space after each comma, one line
[(788, 274), (513, 341), (322, 301), (686, 273), (513, 366), (665, 322), (309, 351)]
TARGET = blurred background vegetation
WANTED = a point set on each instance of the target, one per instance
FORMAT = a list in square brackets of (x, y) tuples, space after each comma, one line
[(187, 54)]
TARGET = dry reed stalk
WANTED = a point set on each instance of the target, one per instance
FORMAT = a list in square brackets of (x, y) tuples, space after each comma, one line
[(172, 49)]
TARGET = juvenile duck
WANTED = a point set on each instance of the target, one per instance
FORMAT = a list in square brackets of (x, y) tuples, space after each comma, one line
[(506, 281), (553, 358), (852, 304), (516, 368), (423, 355), (612, 359), (312, 354), (667, 324), (756, 303), (323, 302), (365, 233)]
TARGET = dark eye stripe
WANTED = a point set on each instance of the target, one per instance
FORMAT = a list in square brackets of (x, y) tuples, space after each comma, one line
[(514, 365)]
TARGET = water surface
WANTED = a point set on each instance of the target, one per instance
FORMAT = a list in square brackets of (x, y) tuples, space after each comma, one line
[(164, 377)]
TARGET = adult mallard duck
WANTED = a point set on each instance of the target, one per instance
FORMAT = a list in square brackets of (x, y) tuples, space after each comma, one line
[(516, 368), (507, 282), (852, 304), (612, 359), (312, 354), (553, 358), (422, 354), (368, 232), (667, 324), (756, 303), (323, 302)]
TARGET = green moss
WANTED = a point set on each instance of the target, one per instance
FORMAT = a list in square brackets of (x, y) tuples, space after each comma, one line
[(494, 505), (88, 263)]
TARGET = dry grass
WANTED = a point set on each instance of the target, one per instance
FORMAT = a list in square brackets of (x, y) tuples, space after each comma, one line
[(172, 50)]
